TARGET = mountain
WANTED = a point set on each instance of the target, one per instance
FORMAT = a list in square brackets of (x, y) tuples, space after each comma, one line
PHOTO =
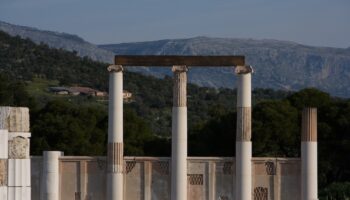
[(277, 64), (59, 40)]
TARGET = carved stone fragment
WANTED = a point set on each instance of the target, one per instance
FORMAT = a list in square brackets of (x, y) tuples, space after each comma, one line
[(270, 168), (129, 166), (18, 148), (161, 167), (223, 197), (115, 68), (14, 119), (195, 179), (260, 193), (243, 69)]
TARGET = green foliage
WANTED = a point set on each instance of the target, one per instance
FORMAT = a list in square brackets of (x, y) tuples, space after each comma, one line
[(275, 129), (309, 97), (137, 134), (76, 130), (336, 191), (13, 93), (214, 138)]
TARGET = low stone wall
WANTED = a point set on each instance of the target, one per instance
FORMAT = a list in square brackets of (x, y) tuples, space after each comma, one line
[(146, 178)]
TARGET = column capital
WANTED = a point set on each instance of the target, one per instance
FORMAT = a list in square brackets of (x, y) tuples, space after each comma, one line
[(115, 68), (244, 69), (179, 68)]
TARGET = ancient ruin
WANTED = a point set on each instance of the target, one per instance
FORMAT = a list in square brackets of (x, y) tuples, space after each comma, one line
[(116, 177)]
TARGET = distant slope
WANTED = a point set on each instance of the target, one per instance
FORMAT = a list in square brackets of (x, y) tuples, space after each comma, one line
[(277, 64), (59, 40)]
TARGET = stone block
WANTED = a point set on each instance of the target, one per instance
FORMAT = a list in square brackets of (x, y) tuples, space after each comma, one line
[(19, 193), (3, 172), (14, 119), (19, 172), (3, 193), (12, 135), (3, 144), (18, 146)]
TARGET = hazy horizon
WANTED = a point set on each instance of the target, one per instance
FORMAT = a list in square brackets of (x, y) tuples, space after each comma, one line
[(311, 22)]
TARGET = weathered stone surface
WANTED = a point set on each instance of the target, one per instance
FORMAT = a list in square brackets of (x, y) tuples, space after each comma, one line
[(115, 157), (3, 172), (14, 119), (4, 144), (244, 124), (309, 125), (243, 69), (285, 185), (18, 148), (115, 68), (162, 167), (180, 86)]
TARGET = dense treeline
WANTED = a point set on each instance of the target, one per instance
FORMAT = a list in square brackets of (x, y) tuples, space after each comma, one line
[(81, 128)]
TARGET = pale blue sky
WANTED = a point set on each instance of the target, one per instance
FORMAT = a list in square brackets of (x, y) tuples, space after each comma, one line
[(313, 22)]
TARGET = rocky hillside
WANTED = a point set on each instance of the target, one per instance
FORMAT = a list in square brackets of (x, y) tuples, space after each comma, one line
[(278, 64), (59, 40)]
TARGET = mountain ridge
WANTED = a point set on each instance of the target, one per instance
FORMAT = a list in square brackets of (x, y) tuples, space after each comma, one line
[(278, 64), (58, 40)]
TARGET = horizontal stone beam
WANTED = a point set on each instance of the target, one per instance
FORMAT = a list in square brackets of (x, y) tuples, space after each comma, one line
[(191, 61)]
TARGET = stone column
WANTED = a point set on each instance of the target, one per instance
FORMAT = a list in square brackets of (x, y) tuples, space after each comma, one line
[(3, 163), (15, 170), (179, 135), (115, 159), (243, 134), (309, 154), (51, 179)]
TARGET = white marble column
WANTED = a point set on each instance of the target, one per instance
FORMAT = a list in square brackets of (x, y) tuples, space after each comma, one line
[(115, 159), (179, 135), (50, 177), (243, 134), (309, 154)]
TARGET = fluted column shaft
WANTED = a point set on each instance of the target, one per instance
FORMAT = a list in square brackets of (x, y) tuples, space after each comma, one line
[(309, 181), (243, 134), (179, 135), (115, 160)]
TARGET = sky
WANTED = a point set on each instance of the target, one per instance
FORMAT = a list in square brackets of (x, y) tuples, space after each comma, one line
[(310, 22)]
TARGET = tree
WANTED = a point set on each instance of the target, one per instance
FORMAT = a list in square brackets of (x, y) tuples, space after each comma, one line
[(276, 130)]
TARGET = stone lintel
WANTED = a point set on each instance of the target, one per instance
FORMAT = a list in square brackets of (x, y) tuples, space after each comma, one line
[(309, 125), (168, 60), (115, 68), (244, 69)]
